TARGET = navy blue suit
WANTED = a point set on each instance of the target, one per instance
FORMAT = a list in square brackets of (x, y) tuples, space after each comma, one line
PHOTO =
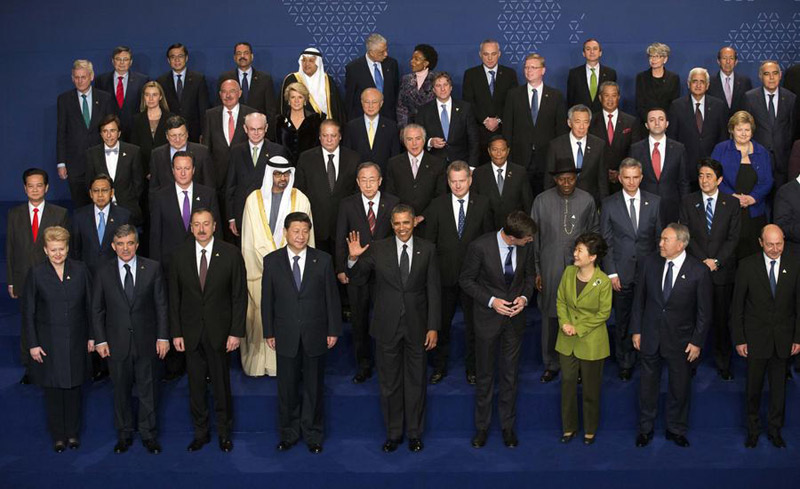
[(673, 184), (86, 246), (107, 82)]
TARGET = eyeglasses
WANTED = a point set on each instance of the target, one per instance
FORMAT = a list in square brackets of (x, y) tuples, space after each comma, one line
[(122, 60), (176, 56)]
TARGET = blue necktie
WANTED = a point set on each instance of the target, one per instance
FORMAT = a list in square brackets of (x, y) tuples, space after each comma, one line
[(508, 267), (245, 87), (296, 272), (534, 107), (445, 122), (491, 83), (101, 227), (709, 214), (461, 218), (579, 159), (668, 282), (378, 77), (773, 284)]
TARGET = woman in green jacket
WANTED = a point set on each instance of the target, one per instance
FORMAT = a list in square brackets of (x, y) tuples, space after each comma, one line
[(584, 305)]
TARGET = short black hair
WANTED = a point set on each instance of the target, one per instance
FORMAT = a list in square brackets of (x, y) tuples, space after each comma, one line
[(102, 176), (594, 243), (296, 217), (178, 45), (520, 225), (174, 122), (242, 43), (403, 208), (498, 137), (183, 154), (711, 163), (429, 53), (121, 49), (666, 114), (35, 171), (202, 209), (108, 119)]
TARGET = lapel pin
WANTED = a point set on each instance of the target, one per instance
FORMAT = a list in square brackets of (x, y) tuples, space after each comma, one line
[(646, 203), (697, 205), (597, 282), (417, 253), (197, 198), (111, 220), (573, 216), (683, 277), (216, 254), (124, 154), (314, 260), (508, 174), (784, 271), (457, 109), (68, 277)]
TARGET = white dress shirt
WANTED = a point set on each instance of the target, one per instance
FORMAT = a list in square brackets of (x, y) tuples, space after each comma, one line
[(573, 142), (502, 169), (301, 262), (776, 94), (225, 116), (198, 253), (614, 117), (125, 78), (105, 210), (175, 78), (374, 121), (486, 71), (713, 201), (335, 154), (676, 268), (249, 72), (409, 250), (375, 202), (121, 267), (702, 103), (371, 65), (539, 89), (589, 76), (457, 205), (31, 207), (767, 261), (662, 148), (112, 159), (180, 191)]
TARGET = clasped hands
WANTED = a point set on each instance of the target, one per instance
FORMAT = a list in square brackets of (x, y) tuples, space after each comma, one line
[(510, 309)]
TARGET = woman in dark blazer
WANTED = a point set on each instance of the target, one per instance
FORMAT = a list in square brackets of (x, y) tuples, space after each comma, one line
[(149, 129), (656, 87), (56, 313), (747, 175), (298, 128), (583, 304), (416, 88)]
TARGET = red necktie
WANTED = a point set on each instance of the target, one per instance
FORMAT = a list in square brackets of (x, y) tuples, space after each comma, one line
[(120, 92), (231, 127), (35, 224), (657, 161), (610, 130), (371, 219)]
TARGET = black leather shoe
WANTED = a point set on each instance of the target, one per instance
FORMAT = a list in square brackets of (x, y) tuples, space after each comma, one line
[(152, 446), (100, 376), (566, 438), (643, 439), (437, 376), (679, 440), (225, 444), (777, 440), (59, 446), (25, 380), (285, 445), (391, 445), (73, 443), (751, 441), (725, 375), (315, 448), (472, 379), (362, 375), (510, 438), (548, 376), (479, 440), (123, 445), (197, 444), (625, 374), (415, 445), (588, 440)]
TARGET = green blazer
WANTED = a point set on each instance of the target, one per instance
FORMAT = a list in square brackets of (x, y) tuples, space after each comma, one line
[(587, 313)]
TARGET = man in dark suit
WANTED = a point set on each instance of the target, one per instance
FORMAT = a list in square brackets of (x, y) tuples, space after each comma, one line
[(246, 170), (773, 108), (374, 70), (178, 140), (207, 310), (583, 82), (617, 129), (302, 319), (80, 111), (326, 175), (583, 150), (452, 222), (631, 225), (25, 241), (129, 312), (125, 86), (713, 219), (530, 123), (728, 85), (368, 213), (416, 177), (669, 321), (374, 137), (663, 164), (786, 214), (485, 87), (449, 124), (258, 91), (500, 295), (698, 121), (406, 324), (120, 161), (505, 183), (766, 329), (186, 91)]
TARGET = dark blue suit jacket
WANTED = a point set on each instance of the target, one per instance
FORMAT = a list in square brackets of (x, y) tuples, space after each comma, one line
[(85, 245), (133, 97), (730, 157), (673, 184), (358, 77)]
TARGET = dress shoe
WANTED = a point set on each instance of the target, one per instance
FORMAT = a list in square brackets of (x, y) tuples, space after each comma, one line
[(391, 445), (362, 375), (73, 443), (315, 448), (152, 446), (751, 441), (588, 440), (198, 443), (100, 376), (25, 380), (679, 440), (285, 445), (59, 446), (479, 440), (777, 440), (225, 444), (415, 445), (625, 374), (725, 375), (548, 376), (567, 437), (472, 379), (437, 376), (643, 439), (510, 438), (122, 445)]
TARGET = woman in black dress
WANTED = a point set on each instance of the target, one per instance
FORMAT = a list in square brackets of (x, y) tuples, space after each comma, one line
[(297, 129), (656, 87), (149, 130)]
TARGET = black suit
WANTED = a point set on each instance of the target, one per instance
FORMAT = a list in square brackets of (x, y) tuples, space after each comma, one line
[(482, 277), (261, 91), (416, 192), (673, 184), (462, 136), (353, 217), (358, 77), (300, 320), (161, 167), (107, 82), (312, 179), (131, 330), (683, 128), (741, 84), (786, 214), (791, 82), (385, 144), (627, 130), (516, 196), (73, 138), (218, 146), (205, 318), (593, 175), (244, 177), (193, 103), (441, 230), (666, 328), (475, 90), (529, 141), (400, 325), (578, 86), (719, 244), (85, 245), (128, 179), (776, 138), (147, 141)]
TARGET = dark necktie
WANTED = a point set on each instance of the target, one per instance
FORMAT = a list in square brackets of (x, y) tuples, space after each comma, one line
[(698, 117), (203, 269), (491, 83), (668, 282), (634, 219), (461, 218), (534, 107), (179, 87), (245, 87), (579, 159), (186, 212), (331, 172), (87, 117), (773, 284), (298, 280), (500, 181), (709, 214), (371, 218), (771, 115), (508, 266), (129, 283), (405, 267)]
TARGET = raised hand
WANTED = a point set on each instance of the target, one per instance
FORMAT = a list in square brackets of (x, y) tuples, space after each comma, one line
[(354, 247)]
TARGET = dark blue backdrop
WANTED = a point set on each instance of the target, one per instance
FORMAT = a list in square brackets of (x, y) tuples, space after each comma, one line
[(39, 41)]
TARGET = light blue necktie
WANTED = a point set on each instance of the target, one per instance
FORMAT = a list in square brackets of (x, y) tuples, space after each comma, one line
[(579, 159), (378, 77), (709, 214), (101, 227), (445, 122)]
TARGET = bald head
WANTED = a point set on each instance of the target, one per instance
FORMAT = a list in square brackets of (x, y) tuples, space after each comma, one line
[(371, 102), (771, 241), (229, 93)]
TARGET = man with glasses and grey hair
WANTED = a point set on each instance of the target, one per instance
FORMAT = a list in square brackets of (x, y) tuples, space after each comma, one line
[(376, 69)]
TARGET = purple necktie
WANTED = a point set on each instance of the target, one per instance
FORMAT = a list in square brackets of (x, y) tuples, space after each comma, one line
[(187, 210)]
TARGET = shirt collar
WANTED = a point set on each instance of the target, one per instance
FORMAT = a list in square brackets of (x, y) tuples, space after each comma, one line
[(465, 198), (208, 248), (31, 207), (180, 190), (713, 196), (615, 113), (495, 167), (121, 264), (574, 140), (302, 254), (335, 152), (118, 74), (176, 73), (374, 200), (374, 121), (249, 72), (636, 196), (400, 244), (104, 210), (88, 92)]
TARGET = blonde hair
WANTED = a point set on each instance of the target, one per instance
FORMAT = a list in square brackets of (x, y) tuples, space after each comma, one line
[(741, 117), (658, 49), (83, 64), (56, 233), (162, 103), (295, 87)]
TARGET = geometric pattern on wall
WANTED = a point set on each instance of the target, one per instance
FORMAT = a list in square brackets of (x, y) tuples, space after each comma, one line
[(767, 38), (575, 31), (338, 28), (525, 25)]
